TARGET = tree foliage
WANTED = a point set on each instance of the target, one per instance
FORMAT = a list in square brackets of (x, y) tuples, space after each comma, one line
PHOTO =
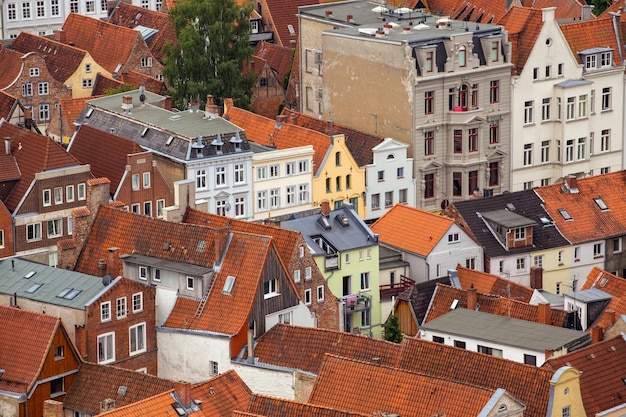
[(213, 48), (599, 5), (392, 329)]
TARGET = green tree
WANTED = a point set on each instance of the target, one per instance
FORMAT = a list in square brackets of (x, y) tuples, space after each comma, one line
[(392, 329), (213, 48), (599, 5)]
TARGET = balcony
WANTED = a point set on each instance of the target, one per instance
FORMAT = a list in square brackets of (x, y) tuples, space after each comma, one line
[(396, 288), (331, 262), (459, 115), (355, 303)]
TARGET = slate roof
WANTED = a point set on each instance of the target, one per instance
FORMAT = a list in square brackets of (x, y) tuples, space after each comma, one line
[(342, 383), (98, 37), (590, 34), (61, 59), (278, 57), (360, 144), (270, 406), (94, 383), (11, 62), (527, 204), (104, 152), (427, 229), (603, 369), (610, 284), (589, 222), (420, 294), (444, 295), (22, 358), (264, 131), (523, 25), (52, 281), (8, 103), (131, 16), (487, 283), (33, 153)]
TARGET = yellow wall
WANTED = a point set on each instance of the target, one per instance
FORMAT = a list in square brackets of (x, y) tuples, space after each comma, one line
[(565, 391), (555, 271), (331, 170), (76, 79)]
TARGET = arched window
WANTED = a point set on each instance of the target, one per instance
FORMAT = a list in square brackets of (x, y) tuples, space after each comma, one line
[(337, 159)]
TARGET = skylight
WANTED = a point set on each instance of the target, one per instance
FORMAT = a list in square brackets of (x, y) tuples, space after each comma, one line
[(169, 141), (565, 214), (34, 288), (69, 293), (601, 203), (30, 274), (228, 285)]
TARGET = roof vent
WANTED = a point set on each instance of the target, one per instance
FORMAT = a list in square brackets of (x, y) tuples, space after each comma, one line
[(175, 117), (127, 103), (198, 143), (323, 221), (169, 141), (342, 220), (122, 390), (510, 207), (236, 138), (218, 140)]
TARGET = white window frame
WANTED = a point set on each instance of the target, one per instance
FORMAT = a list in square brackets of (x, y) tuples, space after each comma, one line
[(82, 191), (296, 275), (365, 281), (56, 230), (105, 311), (109, 342), (69, 193), (137, 336), (121, 308), (191, 280), (307, 273), (146, 180), (143, 273), (320, 293), (239, 172), (58, 195), (36, 228), (47, 197), (308, 297)]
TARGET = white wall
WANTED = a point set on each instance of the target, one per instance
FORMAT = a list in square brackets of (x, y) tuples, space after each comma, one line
[(300, 316), (450, 254), (266, 381)]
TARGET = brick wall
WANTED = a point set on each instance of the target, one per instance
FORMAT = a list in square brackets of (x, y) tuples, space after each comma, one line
[(140, 51)]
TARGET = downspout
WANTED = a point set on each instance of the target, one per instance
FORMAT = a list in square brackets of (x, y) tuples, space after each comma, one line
[(615, 18)]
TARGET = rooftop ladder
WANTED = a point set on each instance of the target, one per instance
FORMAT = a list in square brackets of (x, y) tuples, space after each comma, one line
[(205, 297)]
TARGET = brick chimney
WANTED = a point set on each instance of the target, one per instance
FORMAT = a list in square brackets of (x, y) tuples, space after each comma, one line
[(549, 353), (536, 277), (544, 313), (183, 392), (472, 297), (571, 183), (113, 258), (60, 36), (102, 267), (325, 208), (610, 315), (52, 408), (597, 334)]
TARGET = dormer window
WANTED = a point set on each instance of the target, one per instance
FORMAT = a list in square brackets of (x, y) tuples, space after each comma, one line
[(520, 233), (462, 56), (606, 59), (590, 62), (430, 57), (495, 51), (597, 58)]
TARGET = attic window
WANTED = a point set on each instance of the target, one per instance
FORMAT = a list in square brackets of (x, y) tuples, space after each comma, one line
[(69, 293), (565, 214), (30, 274), (502, 408), (601, 203), (454, 304), (34, 288), (603, 282), (292, 32), (200, 246), (228, 285)]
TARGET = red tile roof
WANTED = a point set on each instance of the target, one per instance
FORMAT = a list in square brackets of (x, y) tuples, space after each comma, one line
[(34, 153), (8, 103), (368, 388), (131, 16), (427, 229), (104, 152), (281, 14), (591, 34), (278, 57), (268, 406), (613, 285), (11, 63), (487, 283), (158, 405), (263, 130), (22, 357), (98, 37), (71, 108), (359, 143), (523, 25), (588, 221), (137, 79), (222, 395), (602, 366)]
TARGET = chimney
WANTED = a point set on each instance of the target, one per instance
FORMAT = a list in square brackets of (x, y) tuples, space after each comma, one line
[(406, 29), (167, 103), (102, 267), (610, 315), (544, 313), (228, 103), (572, 183), (219, 242), (270, 140), (471, 297), (211, 107), (536, 277), (183, 392), (325, 208), (52, 408), (251, 342), (380, 34), (586, 14), (7, 146), (329, 13), (350, 19), (113, 262), (387, 28), (549, 353), (597, 334), (330, 127), (60, 35), (127, 103)]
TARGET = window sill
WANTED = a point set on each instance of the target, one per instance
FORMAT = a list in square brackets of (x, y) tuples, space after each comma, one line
[(59, 358), (270, 295)]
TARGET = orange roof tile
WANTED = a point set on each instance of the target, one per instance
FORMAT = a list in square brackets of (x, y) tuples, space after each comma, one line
[(22, 358), (97, 37), (615, 7), (222, 394), (281, 14), (263, 130), (601, 386), (267, 406), (523, 25), (591, 34), (588, 221), (342, 383), (11, 63), (71, 108), (613, 285), (33, 153), (427, 229), (157, 405), (487, 283)]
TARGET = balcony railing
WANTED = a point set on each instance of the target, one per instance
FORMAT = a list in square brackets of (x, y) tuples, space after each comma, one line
[(397, 287), (357, 302)]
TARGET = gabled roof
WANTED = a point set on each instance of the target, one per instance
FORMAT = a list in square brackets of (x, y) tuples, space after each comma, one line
[(8, 103), (34, 153), (343, 382), (103, 84), (161, 405), (94, 383), (282, 14), (98, 37), (11, 62), (525, 203), (278, 57), (138, 79), (263, 130), (615, 7), (107, 154), (71, 108), (487, 283), (135, 17), (23, 357), (264, 405), (420, 294), (61, 59), (588, 220), (591, 34), (445, 295), (360, 144), (222, 394), (613, 285), (427, 229), (282, 346), (603, 369)]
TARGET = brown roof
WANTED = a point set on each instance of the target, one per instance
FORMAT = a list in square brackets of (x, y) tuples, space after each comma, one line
[(11, 62), (591, 34), (281, 14), (588, 221), (71, 108), (94, 383), (523, 25), (158, 405), (268, 406), (61, 59), (22, 358), (8, 103), (602, 368), (34, 153), (444, 295), (108, 44), (131, 16), (104, 152), (613, 285), (222, 394), (103, 85), (428, 229), (137, 79), (359, 143), (278, 57), (368, 388), (487, 283)]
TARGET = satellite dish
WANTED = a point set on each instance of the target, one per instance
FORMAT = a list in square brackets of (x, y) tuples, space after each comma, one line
[(106, 280), (142, 95), (142, 98)]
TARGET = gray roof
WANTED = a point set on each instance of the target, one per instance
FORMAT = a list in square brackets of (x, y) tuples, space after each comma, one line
[(573, 83), (590, 295), (503, 330), (343, 238), (54, 281), (159, 263), (507, 218)]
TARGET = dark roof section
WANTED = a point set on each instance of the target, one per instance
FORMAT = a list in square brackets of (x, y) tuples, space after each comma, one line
[(419, 296)]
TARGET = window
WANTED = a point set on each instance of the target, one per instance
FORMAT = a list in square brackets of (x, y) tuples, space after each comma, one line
[(402, 195), (528, 185), (375, 201), (545, 181), (147, 208), (274, 198), (495, 48), (59, 353), (472, 137), (307, 273), (590, 62), (320, 293), (26, 10), (597, 250), (261, 173), (520, 233), (290, 168), (27, 89), (296, 275), (528, 112), (146, 180), (105, 311), (548, 71), (558, 288), (605, 170), (462, 58), (460, 344), (213, 368), (474, 96), (82, 191), (569, 150), (87, 82), (470, 263), (605, 140), (569, 109), (606, 98), (582, 106), (11, 11), (617, 245), (530, 360), (454, 237), (143, 273), (240, 206), (381, 175), (55, 228), (457, 179), (44, 112), (47, 199), (160, 208), (220, 176), (528, 154), (494, 91), (535, 73), (338, 183), (365, 281), (307, 297), (146, 62), (349, 182), (1, 238), (545, 151), (430, 55), (135, 182), (135, 208), (106, 348), (581, 148), (457, 140), (538, 261), (137, 338), (103, 5), (429, 143), (33, 232), (156, 274), (560, 69), (43, 89), (365, 318), (429, 186), (303, 166), (490, 351), (494, 173), (493, 132), (545, 109), (137, 302), (520, 264), (57, 387), (472, 183), (190, 283), (274, 171), (239, 174), (121, 307), (565, 412), (429, 97), (261, 200)]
